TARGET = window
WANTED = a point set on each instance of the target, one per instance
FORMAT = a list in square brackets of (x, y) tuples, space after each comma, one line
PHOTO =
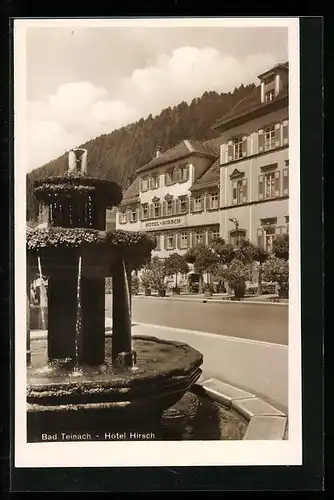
[(269, 137), (154, 181), (122, 218), (156, 209), (184, 240), (285, 181), (269, 185), (269, 238), (237, 236), (133, 215), (184, 173), (169, 207), (237, 148), (183, 204), (144, 184), (199, 237), (198, 205), (239, 191), (214, 200), (170, 241), (214, 234), (269, 96), (144, 209), (169, 177), (157, 237)]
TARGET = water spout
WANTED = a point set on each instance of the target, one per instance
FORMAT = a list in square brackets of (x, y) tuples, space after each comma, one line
[(41, 293), (128, 298), (78, 325)]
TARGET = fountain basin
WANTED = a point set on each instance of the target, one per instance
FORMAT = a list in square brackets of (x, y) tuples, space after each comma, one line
[(104, 399)]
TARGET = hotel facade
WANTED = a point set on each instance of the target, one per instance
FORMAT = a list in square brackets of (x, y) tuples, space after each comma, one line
[(235, 186)]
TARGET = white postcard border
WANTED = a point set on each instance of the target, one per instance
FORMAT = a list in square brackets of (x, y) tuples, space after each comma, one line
[(155, 453)]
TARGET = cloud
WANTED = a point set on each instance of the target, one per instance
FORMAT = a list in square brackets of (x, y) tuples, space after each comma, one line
[(79, 111)]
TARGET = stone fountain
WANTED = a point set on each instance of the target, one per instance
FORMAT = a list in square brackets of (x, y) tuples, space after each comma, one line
[(83, 380)]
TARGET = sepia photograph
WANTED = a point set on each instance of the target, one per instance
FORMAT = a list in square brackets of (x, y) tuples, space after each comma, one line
[(157, 255)]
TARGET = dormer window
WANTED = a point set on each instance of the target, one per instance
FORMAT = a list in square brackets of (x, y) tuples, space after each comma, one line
[(154, 182), (269, 96), (144, 184)]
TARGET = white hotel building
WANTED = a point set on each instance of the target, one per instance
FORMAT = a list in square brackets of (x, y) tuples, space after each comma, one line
[(160, 201)]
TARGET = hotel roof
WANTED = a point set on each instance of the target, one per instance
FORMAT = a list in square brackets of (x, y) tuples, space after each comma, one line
[(183, 149), (252, 101)]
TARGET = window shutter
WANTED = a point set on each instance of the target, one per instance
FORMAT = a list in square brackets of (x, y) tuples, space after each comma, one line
[(222, 154), (166, 179), (177, 206), (244, 190), (191, 201), (137, 213), (140, 184), (260, 239), (260, 141), (202, 202), (165, 241), (150, 211), (277, 183), (178, 240), (174, 242), (164, 208), (286, 132), (261, 187), (209, 237), (187, 204), (158, 241), (244, 146), (234, 193), (285, 182), (174, 208), (230, 151), (150, 183), (277, 135), (207, 201)]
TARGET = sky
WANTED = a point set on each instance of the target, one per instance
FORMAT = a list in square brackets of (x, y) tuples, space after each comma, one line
[(81, 82)]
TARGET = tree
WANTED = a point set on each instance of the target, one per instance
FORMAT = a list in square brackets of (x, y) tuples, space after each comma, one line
[(248, 252), (146, 279), (175, 264), (236, 274), (158, 270), (205, 260), (281, 247), (276, 270), (223, 250)]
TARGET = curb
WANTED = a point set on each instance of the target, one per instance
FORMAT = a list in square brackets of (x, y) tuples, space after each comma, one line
[(264, 421), (216, 301)]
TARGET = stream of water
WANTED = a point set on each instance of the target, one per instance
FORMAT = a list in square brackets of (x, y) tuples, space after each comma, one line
[(78, 325), (41, 293)]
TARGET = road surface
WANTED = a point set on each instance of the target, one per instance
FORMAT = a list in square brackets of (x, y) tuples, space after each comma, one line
[(263, 322)]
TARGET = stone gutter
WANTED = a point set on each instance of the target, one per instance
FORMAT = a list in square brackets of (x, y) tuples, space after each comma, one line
[(264, 421)]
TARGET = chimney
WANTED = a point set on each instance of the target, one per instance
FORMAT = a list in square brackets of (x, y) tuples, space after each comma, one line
[(157, 153)]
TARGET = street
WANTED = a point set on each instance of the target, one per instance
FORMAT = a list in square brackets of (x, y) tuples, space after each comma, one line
[(262, 322)]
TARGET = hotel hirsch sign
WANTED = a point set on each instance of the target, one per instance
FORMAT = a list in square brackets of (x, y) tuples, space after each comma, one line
[(163, 223)]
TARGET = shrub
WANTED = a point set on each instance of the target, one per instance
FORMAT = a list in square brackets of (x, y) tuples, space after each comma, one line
[(277, 270)]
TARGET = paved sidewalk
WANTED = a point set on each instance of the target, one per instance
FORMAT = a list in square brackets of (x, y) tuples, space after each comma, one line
[(220, 298)]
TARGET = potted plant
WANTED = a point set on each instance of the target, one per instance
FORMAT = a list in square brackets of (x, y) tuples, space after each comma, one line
[(208, 290), (158, 270), (236, 275), (146, 280), (277, 270), (134, 285), (175, 264)]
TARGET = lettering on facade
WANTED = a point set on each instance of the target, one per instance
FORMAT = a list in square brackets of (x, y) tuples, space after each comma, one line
[(164, 223)]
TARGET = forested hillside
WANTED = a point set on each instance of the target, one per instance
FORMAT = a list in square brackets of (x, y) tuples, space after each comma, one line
[(117, 155)]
